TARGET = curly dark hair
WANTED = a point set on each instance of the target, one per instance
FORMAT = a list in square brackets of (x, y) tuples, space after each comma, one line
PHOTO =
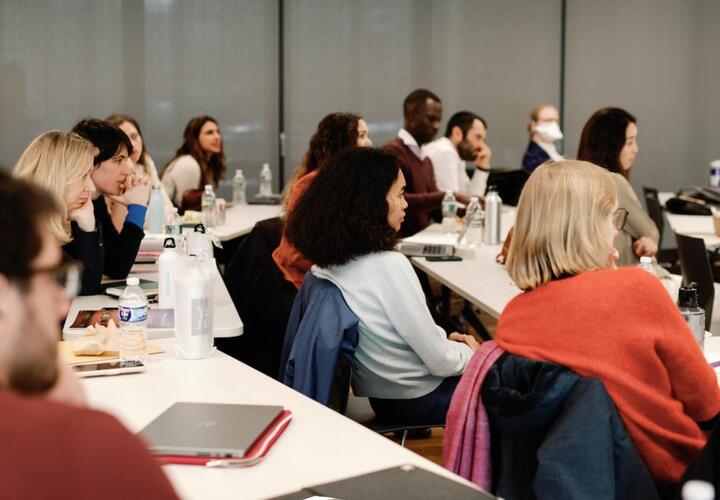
[(212, 169), (343, 214), (334, 133), (603, 138)]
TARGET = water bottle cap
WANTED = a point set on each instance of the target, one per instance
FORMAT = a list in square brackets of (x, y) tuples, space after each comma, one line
[(266, 165), (133, 281), (688, 295), (698, 490), (238, 172), (474, 199), (715, 163), (208, 186), (169, 243), (645, 260)]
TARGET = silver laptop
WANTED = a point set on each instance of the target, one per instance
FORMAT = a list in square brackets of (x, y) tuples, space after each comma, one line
[(419, 249), (209, 429)]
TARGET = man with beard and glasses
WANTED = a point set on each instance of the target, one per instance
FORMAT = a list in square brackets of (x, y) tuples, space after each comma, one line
[(422, 111), (52, 446), (464, 141)]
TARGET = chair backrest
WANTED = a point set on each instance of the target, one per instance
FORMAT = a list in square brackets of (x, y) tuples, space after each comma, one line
[(695, 266), (654, 209), (320, 341)]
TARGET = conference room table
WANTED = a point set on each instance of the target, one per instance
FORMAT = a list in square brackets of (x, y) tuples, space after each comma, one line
[(698, 226), (318, 446), (478, 278), (226, 320), (240, 219)]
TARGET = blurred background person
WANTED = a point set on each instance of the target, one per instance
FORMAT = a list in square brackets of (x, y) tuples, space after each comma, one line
[(544, 128)]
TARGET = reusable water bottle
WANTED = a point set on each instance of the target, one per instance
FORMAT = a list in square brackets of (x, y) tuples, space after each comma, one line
[(692, 312), (493, 206), (166, 264)]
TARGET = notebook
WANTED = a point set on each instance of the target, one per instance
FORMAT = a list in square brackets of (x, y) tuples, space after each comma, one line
[(209, 430), (406, 481)]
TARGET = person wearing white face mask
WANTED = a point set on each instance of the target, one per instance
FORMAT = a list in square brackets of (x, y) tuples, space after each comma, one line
[(545, 131)]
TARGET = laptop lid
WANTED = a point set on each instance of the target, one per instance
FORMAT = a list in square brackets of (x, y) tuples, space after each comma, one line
[(208, 429)]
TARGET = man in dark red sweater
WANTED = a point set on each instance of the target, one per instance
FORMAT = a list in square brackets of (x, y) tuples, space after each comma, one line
[(422, 110), (52, 446)]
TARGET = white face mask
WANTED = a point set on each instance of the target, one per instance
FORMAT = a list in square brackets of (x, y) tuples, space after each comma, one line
[(549, 131)]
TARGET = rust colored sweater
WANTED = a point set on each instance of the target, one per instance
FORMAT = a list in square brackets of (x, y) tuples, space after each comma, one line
[(291, 262), (421, 192), (53, 450), (621, 326)]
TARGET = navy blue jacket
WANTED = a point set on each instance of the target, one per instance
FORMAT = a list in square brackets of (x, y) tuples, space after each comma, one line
[(321, 328), (557, 435), (534, 157)]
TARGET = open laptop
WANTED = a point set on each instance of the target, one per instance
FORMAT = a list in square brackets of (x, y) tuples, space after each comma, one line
[(209, 429), (430, 248)]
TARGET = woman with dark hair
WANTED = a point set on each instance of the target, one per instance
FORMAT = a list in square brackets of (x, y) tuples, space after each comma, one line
[(140, 162), (198, 162), (347, 223), (335, 132), (609, 139)]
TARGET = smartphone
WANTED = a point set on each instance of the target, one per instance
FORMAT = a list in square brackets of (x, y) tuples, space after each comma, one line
[(443, 258), (108, 368)]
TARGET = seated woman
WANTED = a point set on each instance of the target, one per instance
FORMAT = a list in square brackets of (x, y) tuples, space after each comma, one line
[(609, 139), (141, 164), (198, 162), (544, 128), (62, 163), (616, 325), (335, 132), (347, 222)]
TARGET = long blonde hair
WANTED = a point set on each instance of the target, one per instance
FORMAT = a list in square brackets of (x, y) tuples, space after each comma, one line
[(53, 160), (561, 224)]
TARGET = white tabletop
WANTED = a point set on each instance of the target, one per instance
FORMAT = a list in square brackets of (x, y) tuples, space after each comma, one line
[(240, 219), (227, 322), (318, 446), (699, 226), (478, 277)]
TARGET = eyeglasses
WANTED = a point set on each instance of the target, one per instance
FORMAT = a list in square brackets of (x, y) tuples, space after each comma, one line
[(619, 218), (66, 275)]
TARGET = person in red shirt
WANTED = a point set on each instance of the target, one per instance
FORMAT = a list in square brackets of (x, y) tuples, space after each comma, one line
[(335, 132), (617, 325), (52, 445)]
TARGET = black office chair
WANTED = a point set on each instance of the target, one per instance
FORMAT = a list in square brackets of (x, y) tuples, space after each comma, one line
[(696, 268), (339, 401), (667, 258)]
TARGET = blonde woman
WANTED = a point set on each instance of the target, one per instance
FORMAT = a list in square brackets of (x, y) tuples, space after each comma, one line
[(62, 162), (616, 325)]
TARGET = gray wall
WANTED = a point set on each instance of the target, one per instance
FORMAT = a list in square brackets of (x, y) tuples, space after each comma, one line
[(167, 60)]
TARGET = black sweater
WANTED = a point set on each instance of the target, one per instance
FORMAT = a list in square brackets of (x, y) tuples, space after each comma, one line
[(88, 249)]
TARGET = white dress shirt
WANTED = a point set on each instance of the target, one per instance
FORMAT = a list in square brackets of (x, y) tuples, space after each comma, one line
[(411, 143), (449, 168)]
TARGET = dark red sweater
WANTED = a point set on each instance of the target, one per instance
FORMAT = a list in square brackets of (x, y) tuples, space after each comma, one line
[(421, 192), (53, 451)]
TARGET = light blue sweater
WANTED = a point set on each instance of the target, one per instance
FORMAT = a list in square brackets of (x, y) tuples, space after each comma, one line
[(402, 353)]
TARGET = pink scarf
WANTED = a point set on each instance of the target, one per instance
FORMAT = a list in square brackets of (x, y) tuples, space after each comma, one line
[(466, 448)]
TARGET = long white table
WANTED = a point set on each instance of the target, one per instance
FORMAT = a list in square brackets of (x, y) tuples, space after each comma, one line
[(478, 278), (240, 219), (227, 322), (318, 446)]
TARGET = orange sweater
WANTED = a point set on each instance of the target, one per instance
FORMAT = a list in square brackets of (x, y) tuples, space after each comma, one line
[(620, 326), (291, 262)]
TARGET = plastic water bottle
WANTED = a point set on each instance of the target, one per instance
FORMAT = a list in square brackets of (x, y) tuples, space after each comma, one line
[(265, 180), (646, 265), (166, 264), (239, 185), (474, 215), (156, 211), (449, 207), (493, 206), (208, 206), (693, 314), (173, 222), (715, 173), (698, 490), (133, 315)]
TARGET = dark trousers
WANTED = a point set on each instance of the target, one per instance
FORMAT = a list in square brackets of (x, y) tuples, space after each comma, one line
[(428, 409)]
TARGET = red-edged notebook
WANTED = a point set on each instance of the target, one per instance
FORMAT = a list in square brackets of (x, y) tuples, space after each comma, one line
[(254, 455)]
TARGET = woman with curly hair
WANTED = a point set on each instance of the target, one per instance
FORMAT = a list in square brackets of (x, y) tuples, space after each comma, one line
[(335, 132), (347, 223), (199, 161)]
